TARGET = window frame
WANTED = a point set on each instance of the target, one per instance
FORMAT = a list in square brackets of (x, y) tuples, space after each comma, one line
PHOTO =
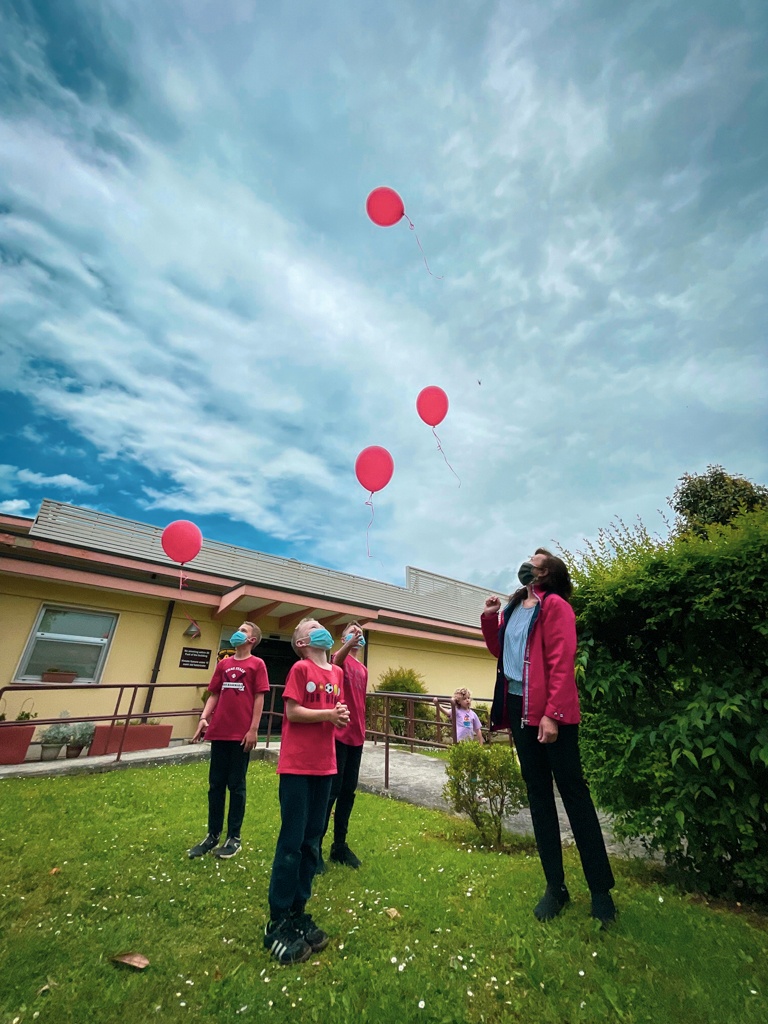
[(36, 634)]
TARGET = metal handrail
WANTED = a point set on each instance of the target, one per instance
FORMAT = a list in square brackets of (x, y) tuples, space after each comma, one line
[(387, 734)]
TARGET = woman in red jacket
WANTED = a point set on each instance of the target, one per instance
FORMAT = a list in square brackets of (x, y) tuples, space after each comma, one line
[(534, 640)]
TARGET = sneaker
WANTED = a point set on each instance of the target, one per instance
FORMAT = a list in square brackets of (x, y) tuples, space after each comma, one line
[(551, 903), (285, 943), (202, 848), (341, 854), (315, 937), (228, 849), (603, 908)]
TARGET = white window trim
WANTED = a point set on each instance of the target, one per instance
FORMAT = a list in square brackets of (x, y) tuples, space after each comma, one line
[(36, 634)]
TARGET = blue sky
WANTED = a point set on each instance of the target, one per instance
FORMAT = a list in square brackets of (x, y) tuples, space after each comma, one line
[(197, 320)]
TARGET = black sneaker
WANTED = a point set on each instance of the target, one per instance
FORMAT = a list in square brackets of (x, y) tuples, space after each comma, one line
[(202, 848), (285, 943), (341, 854), (603, 908), (315, 937), (228, 849), (551, 903)]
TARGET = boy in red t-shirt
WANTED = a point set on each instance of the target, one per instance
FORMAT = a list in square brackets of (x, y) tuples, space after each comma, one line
[(349, 750), (314, 709), (230, 720)]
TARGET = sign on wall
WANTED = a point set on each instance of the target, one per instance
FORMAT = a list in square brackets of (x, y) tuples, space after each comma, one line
[(195, 657)]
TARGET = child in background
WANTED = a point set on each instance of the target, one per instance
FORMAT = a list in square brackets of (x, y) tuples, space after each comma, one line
[(314, 710), (230, 720), (349, 748), (467, 723)]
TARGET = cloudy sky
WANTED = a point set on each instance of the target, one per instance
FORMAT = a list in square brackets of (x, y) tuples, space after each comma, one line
[(198, 320)]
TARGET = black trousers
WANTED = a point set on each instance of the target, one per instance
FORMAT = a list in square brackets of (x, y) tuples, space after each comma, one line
[(229, 764), (303, 803), (343, 787), (541, 763)]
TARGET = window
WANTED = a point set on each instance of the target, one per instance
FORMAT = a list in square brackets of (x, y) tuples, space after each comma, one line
[(70, 640)]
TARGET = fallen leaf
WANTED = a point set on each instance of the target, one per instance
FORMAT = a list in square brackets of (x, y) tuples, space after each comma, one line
[(137, 960), (55, 871), (391, 912), (217, 975), (49, 986)]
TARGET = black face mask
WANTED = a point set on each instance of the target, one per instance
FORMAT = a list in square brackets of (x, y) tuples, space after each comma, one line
[(526, 574)]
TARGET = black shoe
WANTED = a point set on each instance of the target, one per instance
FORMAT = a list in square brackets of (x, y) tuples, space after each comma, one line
[(285, 944), (315, 937), (551, 903), (202, 848), (603, 908), (228, 849), (341, 854)]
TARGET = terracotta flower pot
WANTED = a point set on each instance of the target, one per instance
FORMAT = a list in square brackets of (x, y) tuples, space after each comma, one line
[(59, 677), (14, 743)]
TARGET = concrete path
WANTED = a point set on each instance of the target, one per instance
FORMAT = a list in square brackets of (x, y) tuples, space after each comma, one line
[(414, 778)]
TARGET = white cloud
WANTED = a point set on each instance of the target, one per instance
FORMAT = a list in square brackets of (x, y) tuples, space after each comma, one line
[(14, 506), (60, 480)]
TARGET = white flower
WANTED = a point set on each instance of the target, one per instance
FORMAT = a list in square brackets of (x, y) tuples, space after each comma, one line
[(401, 967), (581, 974), (661, 899), (393, 959), (470, 993), (421, 1004)]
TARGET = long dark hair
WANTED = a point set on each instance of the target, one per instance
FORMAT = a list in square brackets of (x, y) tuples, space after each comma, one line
[(557, 580)]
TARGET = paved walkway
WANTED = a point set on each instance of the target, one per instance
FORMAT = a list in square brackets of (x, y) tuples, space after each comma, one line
[(414, 778)]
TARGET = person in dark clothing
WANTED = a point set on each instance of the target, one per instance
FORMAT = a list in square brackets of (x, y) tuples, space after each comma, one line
[(534, 641)]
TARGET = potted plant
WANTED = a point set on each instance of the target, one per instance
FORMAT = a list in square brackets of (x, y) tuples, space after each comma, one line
[(15, 739), (80, 735), (141, 734), (58, 675), (54, 737)]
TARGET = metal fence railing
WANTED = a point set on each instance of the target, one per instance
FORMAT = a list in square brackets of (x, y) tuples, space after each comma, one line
[(395, 719)]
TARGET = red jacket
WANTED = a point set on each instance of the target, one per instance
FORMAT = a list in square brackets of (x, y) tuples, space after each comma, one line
[(549, 683)]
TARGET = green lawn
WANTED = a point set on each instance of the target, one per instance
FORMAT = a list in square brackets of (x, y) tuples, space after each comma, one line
[(464, 946)]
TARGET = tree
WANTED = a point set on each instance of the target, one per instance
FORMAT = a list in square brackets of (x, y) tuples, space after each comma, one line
[(714, 498)]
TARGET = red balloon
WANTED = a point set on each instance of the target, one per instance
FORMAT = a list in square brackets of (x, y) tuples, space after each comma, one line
[(374, 467), (182, 541), (432, 405), (385, 207)]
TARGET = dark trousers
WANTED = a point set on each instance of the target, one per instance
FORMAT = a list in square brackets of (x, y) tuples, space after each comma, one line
[(229, 763), (541, 763), (303, 803), (343, 786)]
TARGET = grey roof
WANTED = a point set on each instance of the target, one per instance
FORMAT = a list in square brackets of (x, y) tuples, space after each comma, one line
[(425, 594)]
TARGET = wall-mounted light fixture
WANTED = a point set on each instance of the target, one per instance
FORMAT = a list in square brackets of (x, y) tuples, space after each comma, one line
[(192, 630)]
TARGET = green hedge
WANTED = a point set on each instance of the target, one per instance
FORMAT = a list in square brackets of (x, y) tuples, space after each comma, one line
[(674, 667)]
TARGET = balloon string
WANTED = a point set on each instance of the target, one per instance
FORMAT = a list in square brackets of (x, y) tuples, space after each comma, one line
[(369, 503), (412, 226), (440, 449), (182, 583)]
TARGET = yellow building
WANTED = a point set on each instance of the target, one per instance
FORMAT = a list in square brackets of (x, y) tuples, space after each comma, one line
[(95, 595)]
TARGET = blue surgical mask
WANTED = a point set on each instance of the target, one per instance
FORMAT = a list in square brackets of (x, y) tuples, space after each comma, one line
[(320, 638), (360, 642), (239, 638)]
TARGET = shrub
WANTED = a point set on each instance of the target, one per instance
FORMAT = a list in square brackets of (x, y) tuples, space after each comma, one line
[(402, 680), (484, 782), (674, 659)]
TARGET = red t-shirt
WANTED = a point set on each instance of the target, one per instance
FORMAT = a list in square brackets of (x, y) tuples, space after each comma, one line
[(308, 748), (237, 681), (355, 686)]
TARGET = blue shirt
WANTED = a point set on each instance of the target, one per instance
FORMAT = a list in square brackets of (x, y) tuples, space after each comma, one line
[(514, 646)]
